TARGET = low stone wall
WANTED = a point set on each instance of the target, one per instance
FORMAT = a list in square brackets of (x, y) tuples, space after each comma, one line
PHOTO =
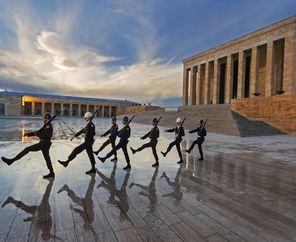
[(137, 109), (279, 111)]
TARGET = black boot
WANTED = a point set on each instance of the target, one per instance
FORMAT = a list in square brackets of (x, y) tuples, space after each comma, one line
[(133, 150), (91, 171), (156, 164), (163, 153), (64, 163), (50, 175), (180, 162), (127, 167), (7, 161), (188, 151), (96, 152), (201, 158), (102, 159), (114, 159)]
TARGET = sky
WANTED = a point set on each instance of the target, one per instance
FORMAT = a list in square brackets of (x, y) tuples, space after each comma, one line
[(122, 49)]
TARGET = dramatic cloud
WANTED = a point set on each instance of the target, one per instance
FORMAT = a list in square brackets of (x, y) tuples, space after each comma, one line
[(47, 59)]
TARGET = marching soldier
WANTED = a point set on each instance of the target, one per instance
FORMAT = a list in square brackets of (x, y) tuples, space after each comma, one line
[(44, 135), (124, 135), (153, 135), (89, 130), (112, 138), (201, 133), (179, 133)]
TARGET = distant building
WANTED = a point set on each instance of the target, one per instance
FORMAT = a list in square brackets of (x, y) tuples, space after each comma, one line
[(17, 103)]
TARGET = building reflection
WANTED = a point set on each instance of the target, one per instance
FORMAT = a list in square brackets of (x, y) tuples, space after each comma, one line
[(177, 194), (118, 197), (150, 190), (40, 216), (86, 210)]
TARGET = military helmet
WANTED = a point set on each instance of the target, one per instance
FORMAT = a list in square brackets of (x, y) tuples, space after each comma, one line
[(154, 120), (47, 115), (201, 121), (125, 118), (179, 120), (88, 115), (114, 118)]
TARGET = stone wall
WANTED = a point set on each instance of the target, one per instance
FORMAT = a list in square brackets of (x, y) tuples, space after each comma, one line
[(12, 105), (279, 111), (141, 108)]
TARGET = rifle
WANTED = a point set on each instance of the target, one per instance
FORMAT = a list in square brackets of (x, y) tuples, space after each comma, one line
[(183, 121), (127, 124), (44, 125)]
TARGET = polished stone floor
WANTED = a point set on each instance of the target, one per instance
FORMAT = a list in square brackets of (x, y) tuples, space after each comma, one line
[(244, 190)]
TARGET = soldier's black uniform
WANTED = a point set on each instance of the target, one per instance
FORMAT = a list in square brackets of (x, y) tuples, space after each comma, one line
[(201, 132), (89, 131), (112, 138), (44, 144), (124, 135), (153, 135), (179, 133)]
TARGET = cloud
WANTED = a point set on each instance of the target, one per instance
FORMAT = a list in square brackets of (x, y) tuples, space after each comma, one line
[(45, 57)]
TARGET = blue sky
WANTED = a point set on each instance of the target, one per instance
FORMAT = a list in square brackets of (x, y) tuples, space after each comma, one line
[(118, 49)]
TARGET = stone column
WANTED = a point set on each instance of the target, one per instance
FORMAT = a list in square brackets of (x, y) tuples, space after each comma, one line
[(253, 75), (228, 80), (215, 82), (269, 87), (33, 108), (289, 79), (110, 111), (240, 79), (185, 86), (206, 84), (193, 86), (62, 108), (42, 108), (79, 109), (71, 110), (52, 108)]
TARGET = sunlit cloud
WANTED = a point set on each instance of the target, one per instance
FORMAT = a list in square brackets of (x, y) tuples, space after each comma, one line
[(46, 58)]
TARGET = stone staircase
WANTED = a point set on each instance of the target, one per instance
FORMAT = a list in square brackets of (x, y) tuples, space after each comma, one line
[(221, 120)]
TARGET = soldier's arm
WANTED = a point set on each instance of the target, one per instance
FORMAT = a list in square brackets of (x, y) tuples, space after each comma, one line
[(146, 135), (170, 130), (106, 133), (193, 131)]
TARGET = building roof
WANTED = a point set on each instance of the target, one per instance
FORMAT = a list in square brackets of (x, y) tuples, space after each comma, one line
[(86, 99)]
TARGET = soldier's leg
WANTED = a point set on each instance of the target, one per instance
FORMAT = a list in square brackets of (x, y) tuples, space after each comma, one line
[(127, 159), (91, 157), (144, 146), (115, 153), (171, 145), (107, 142), (178, 146), (73, 154), (200, 150), (112, 152), (154, 152), (192, 146), (32, 148), (45, 152)]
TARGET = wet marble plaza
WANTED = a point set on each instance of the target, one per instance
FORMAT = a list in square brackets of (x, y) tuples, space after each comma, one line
[(244, 190)]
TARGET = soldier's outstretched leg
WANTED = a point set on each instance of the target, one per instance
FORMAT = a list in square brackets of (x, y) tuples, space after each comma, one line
[(107, 142), (91, 157), (73, 154), (124, 149), (144, 146), (171, 145), (32, 148), (178, 146), (192, 146), (45, 152), (112, 152)]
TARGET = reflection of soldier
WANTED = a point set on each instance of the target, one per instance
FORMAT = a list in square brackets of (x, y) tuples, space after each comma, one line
[(176, 193), (153, 134), (110, 185), (124, 135), (87, 211), (179, 133), (150, 190), (44, 144), (87, 145), (112, 138), (201, 133), (41, 215)]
